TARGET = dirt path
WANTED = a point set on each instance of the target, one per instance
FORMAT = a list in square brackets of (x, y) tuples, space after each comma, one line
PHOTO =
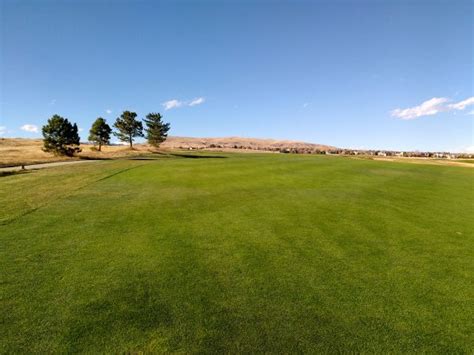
[(44, 165)]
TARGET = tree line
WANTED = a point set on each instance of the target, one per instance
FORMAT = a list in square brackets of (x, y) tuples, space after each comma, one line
[(60, 136)]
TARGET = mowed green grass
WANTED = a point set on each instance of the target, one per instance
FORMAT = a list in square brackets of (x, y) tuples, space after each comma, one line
[(238, 253)]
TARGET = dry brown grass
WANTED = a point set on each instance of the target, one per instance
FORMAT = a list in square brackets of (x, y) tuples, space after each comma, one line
[(18, 151), (429, 161)]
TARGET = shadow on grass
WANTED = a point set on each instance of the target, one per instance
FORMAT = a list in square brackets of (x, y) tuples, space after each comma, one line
[(192, 156), (156, 156), (94, 158), (160, 156), (16, 172)]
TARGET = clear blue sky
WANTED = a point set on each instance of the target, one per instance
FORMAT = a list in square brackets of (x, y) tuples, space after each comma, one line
[(320, 71)]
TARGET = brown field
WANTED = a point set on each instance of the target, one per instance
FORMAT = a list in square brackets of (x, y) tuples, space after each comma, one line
[(429, 161), (18, 151)]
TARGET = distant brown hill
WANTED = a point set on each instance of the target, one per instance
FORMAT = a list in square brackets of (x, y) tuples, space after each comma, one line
[(241, 143)]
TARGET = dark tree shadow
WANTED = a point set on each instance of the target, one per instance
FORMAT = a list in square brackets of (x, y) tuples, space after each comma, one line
[(192, 156), (16, 172), (94, 158)]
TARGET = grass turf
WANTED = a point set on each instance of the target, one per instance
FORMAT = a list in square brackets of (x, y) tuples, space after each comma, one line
[(238, 253)]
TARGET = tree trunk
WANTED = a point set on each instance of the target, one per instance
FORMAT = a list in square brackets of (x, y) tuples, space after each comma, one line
[(130, 140), (100, 146)]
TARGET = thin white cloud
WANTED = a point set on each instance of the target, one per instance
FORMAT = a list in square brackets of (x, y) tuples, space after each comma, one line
[(80, 129), (461, 105), (108, 111), (168, 105), (175, 103), (469, 149), (431, 107), (306, 104), (427, 108), (29, 128), (197, 101), (471, 112), (52, 102)]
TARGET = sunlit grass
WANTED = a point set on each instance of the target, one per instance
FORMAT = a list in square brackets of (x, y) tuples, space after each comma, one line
[(237, 253)]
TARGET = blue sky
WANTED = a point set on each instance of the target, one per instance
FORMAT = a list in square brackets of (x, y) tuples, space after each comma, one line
[(361, 74)]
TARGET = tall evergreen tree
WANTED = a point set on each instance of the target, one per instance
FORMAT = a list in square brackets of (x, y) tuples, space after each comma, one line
[(157, 130), (128, 127), (100, 132), (60, 136)]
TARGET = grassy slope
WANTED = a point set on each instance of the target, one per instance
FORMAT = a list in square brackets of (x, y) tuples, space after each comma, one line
[(240, 254)]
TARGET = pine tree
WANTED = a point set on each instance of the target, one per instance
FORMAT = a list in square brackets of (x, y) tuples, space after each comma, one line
[(128, 127), (157, 130), (60, 136), (100, 132)]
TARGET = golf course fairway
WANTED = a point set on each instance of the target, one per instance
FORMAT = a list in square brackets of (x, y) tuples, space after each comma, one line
[(237, 253)]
